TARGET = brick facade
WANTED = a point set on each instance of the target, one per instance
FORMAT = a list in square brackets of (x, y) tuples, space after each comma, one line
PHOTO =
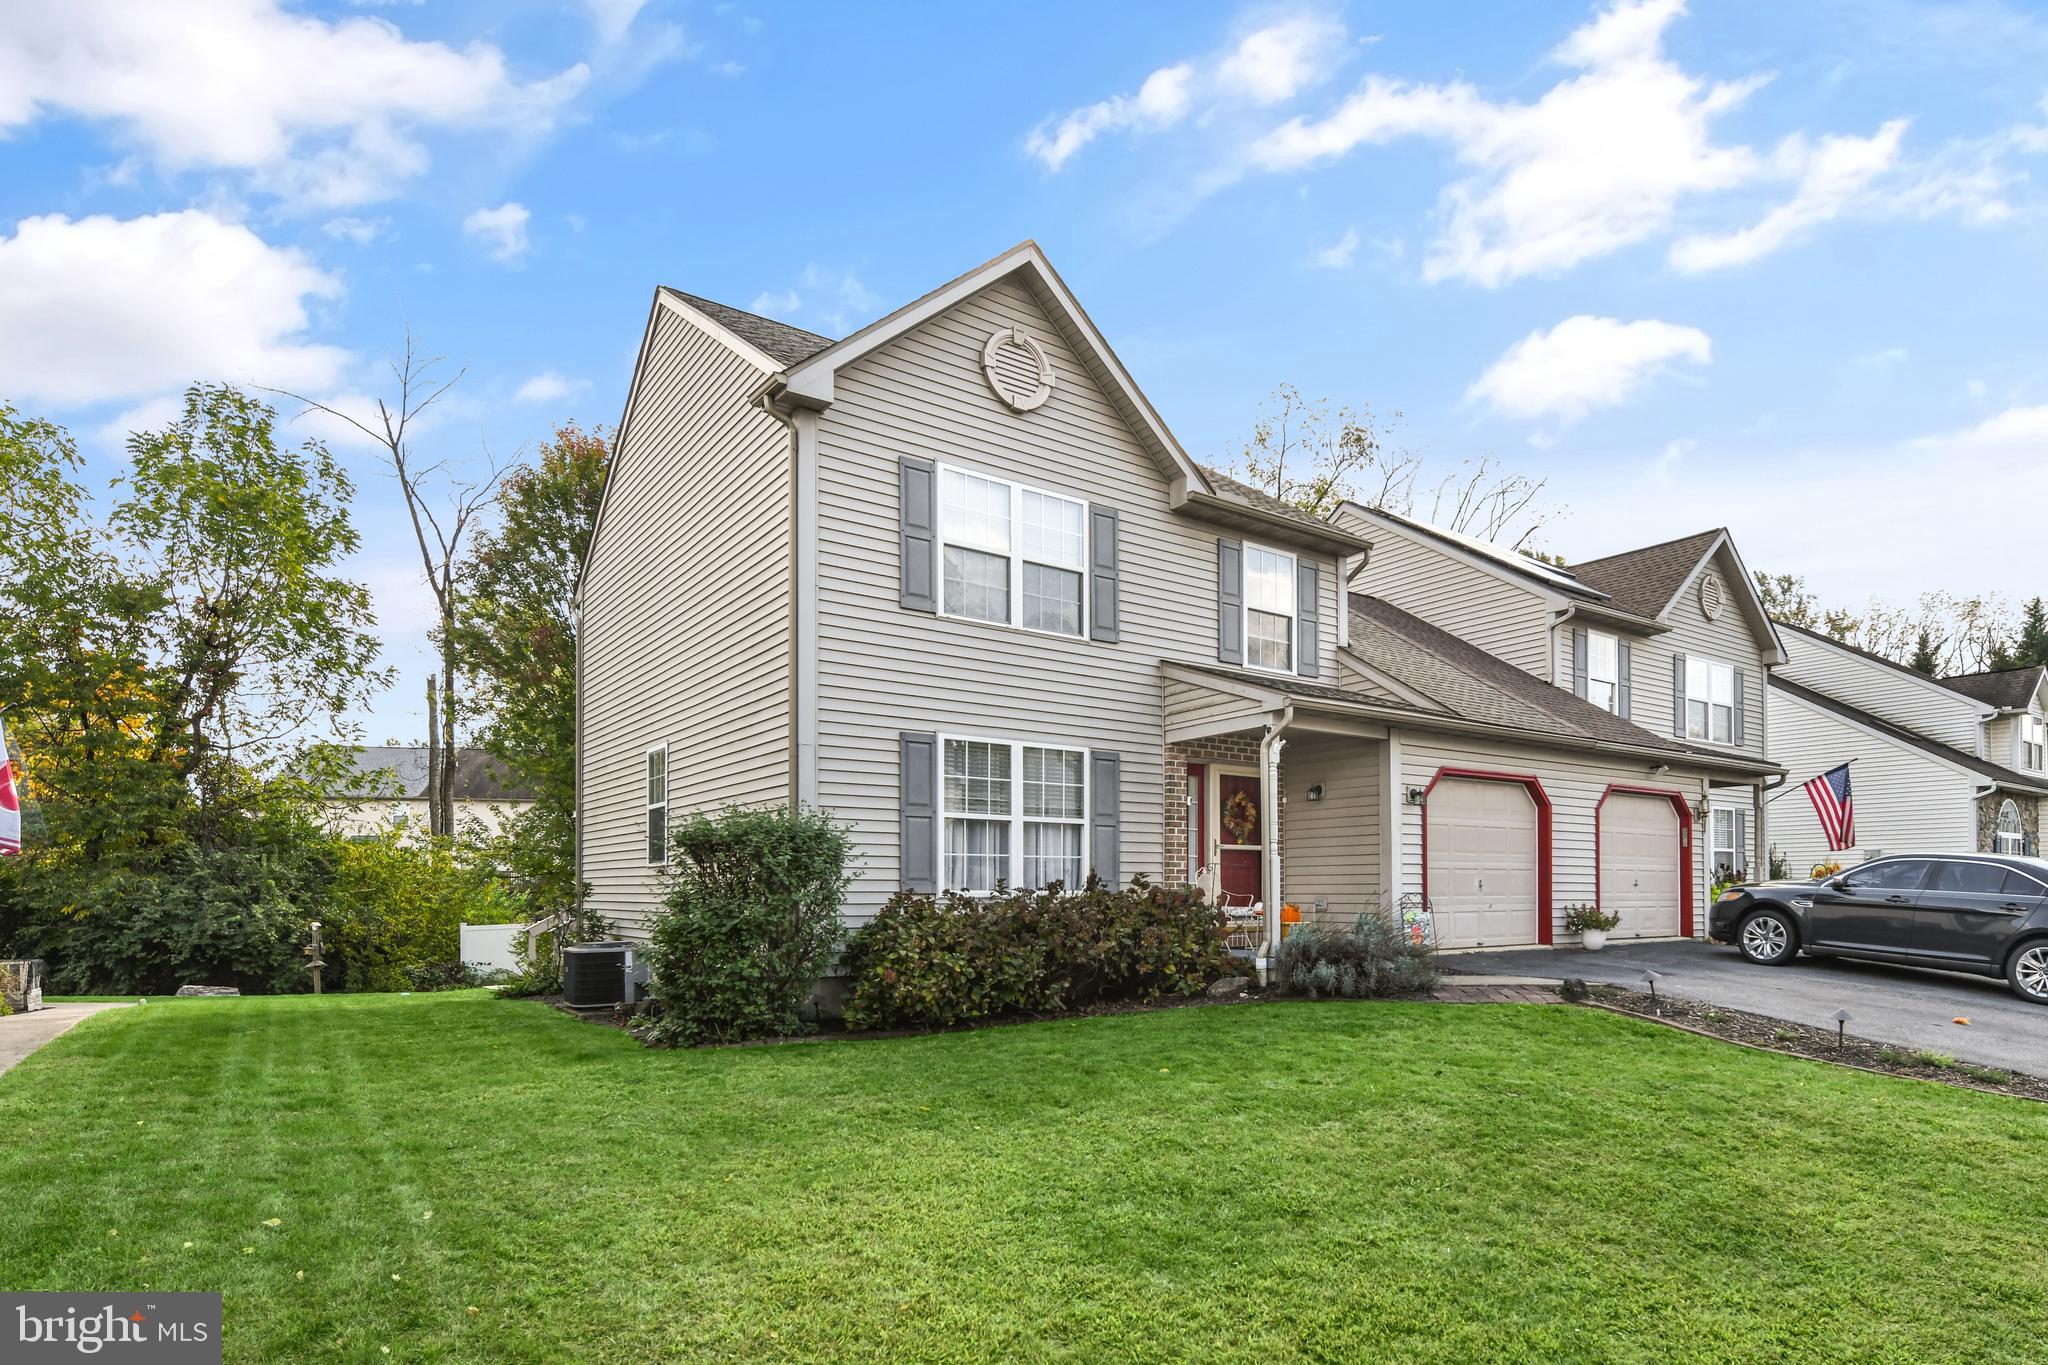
[(1987, 819), (1242, 749)]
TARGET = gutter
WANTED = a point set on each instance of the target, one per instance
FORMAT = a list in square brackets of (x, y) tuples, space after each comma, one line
[(1269, 792)]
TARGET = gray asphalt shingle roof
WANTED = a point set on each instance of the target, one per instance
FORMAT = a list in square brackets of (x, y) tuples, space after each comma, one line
[(2008, 689), (780, 342), (1644, 581), (1260, 500)]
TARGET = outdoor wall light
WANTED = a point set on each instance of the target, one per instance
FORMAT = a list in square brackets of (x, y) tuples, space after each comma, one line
[(1315, 793), (1415, 796)]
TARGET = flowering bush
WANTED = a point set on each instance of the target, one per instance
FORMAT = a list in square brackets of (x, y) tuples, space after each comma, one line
[(934, 961)]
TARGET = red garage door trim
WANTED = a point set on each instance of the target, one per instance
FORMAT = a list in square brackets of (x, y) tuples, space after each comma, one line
[(1537, 795), (1685, 849)]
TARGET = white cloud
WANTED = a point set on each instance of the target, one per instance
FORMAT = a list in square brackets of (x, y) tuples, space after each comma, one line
[(1339, 254), (1277, 62), (1833, 174), (1163, 100), (361, 231), (833, 298), (100, 308), (2019, 431), (549, 386), (324, 114), (1585, 363), (501, 230), (1600, 161)]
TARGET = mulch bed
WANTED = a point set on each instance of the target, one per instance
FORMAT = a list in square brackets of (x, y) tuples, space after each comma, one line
[(1803, 1040)]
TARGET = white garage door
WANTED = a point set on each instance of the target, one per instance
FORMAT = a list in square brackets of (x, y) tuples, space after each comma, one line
[(1482, 863), (1639, 865)]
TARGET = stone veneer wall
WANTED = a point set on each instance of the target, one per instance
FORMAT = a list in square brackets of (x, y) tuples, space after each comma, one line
[(1987, 819), (1242, 749)]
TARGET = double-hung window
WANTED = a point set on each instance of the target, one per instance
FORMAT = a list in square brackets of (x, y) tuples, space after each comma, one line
[(2032, 735), (1268, 609), (1014, 814), (1709, 701), (657, 804), (1726, 851), (1010, 554), (1603, 669)]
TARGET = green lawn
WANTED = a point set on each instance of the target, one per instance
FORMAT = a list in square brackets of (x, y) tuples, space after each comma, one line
[(1340, 1182)]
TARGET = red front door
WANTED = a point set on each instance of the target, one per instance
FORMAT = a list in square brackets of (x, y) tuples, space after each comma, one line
[(1239, 832)]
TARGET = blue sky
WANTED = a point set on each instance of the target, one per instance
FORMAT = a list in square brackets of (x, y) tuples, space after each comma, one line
[(1775, 267)]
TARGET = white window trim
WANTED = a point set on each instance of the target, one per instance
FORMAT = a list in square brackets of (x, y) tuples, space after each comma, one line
[(1017, 819), (1738, 855), (1244, 610), (647, 807), (2033, 737), (1613, 683), (1016, 553), (1998, 834), (1734, 698)]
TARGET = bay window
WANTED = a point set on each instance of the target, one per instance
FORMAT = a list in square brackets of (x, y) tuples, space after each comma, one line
[(1268, 609), (1014, 814), (1010, 554), (1709, 701)]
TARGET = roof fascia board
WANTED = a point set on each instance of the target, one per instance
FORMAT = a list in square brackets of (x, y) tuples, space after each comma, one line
[(611, 459), (732, 341), (1760, 622), (1330, 539)]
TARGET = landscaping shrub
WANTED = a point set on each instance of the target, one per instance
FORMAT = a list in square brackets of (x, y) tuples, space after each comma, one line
[(448, 976), (933, 961), (1372, 959), (396, 906), (750, 922)]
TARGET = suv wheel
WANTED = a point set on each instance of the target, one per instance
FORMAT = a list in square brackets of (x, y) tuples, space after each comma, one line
[(1768, 939), (2026, 971)]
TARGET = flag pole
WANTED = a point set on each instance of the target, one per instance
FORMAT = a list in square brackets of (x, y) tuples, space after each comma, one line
[(1788, 787)]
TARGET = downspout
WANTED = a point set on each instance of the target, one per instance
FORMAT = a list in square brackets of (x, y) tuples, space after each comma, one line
[(1269, 791)]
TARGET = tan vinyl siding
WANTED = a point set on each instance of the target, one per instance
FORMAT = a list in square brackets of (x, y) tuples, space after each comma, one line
[(686, 612), (1905, 799), (1574, 784), (1198, 707), (1331, 847), (2001, 741), (1471, 603), (884, 670), (1885, 692)]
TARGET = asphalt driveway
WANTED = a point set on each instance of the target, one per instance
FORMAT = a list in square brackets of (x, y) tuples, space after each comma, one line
[(1899, 1005)]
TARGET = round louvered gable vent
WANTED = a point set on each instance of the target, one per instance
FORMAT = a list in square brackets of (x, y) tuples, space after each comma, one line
[(1711, 598), (1018, 370)]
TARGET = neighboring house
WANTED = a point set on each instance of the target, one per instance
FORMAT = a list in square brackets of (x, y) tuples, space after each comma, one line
[(385, 789), (1940, 765), (952, 580)]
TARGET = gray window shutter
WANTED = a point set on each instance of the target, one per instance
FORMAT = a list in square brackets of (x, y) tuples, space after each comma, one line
[(1308, 618), (1735, 726), (1623, 704), (920, 529), (1678, 696), (1579, 662), (1102, 574), (1105, 795), (1229, 601), (920, 803)]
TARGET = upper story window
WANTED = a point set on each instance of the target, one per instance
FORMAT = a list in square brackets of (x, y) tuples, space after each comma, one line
[(657, 804), (1603, 669), (1709, 701), (1014, 814), (2032, 735), (1010, 554), (1268, 609)]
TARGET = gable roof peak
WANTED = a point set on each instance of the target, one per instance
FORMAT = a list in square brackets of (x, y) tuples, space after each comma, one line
[(779, 341)]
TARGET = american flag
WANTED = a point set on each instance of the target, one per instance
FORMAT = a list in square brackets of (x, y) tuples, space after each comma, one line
[(10, 803), (1835, 807)]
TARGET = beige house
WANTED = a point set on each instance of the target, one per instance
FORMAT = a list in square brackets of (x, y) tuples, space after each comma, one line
[(384, 790), (1938, 765), (952, 580)]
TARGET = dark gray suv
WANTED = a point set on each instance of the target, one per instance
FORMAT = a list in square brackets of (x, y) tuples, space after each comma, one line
[(1982, 913)]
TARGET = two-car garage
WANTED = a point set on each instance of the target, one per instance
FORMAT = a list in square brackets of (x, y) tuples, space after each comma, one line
[(1489, 840)]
